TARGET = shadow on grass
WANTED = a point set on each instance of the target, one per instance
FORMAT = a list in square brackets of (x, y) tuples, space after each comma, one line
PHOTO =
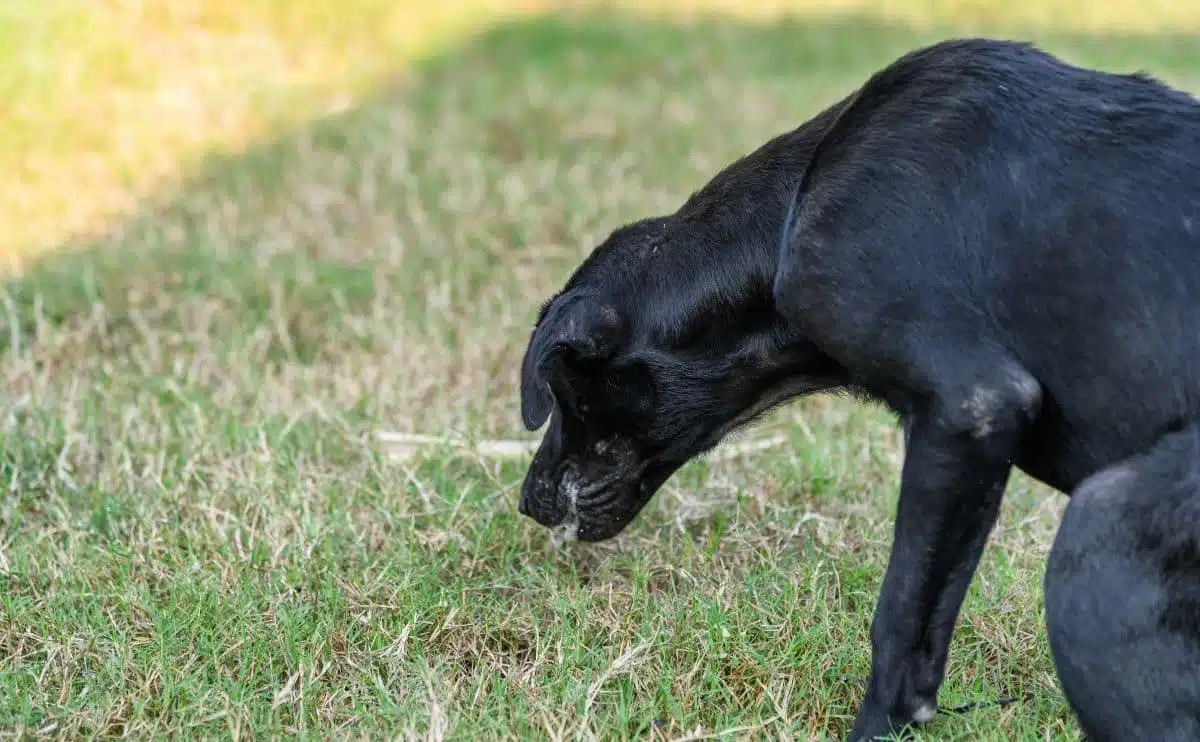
[(366, 207)]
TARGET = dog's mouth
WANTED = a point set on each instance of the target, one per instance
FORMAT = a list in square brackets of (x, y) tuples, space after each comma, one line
[(595, 511), (592, 511)]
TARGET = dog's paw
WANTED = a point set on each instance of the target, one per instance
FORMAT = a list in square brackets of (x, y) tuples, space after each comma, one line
[(924, 712), (872, 726)]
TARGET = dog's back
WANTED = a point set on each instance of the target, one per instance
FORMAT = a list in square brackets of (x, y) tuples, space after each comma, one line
[(1122, 593), (991, 190)]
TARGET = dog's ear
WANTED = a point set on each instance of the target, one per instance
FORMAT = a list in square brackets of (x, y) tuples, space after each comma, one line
[(566, 350)]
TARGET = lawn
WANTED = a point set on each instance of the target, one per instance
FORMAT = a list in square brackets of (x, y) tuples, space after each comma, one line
[(201, 537)]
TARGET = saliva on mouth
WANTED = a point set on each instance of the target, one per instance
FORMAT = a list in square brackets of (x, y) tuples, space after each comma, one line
[(565, 532), (568, 529)]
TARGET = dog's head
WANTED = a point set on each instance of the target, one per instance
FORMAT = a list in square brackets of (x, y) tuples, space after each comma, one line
[(662, 342), (596, 466)]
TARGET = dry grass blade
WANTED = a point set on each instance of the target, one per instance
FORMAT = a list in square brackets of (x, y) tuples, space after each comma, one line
[(405, 446), (624, 663)]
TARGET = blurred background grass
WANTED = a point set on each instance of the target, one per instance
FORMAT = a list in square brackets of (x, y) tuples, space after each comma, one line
[(118, 97), (243, 235)]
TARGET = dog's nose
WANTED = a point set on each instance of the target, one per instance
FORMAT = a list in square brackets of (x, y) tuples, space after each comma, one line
[(523, 506)]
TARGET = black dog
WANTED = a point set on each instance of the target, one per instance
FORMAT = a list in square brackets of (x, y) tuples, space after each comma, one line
[(1123, 597), (1001, 247)]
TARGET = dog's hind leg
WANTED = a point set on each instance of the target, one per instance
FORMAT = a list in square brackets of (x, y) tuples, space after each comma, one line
[(1122, 597)]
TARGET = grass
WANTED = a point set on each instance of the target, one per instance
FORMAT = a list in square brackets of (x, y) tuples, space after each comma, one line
[(198, 537), (117, 98)]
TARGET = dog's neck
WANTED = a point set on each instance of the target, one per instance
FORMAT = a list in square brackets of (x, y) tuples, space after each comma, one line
[(714, 260)]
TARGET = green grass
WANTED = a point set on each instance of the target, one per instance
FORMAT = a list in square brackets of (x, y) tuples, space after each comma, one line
[(200, 538)]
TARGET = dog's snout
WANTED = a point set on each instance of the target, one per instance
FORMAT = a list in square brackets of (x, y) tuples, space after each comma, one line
[(523, 506)]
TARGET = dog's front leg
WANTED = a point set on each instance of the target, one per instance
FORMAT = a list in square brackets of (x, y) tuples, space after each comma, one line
[(958, 459)]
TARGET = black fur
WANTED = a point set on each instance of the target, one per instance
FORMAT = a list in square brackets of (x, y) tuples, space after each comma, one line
[(1122, 592), (1001, 247)]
